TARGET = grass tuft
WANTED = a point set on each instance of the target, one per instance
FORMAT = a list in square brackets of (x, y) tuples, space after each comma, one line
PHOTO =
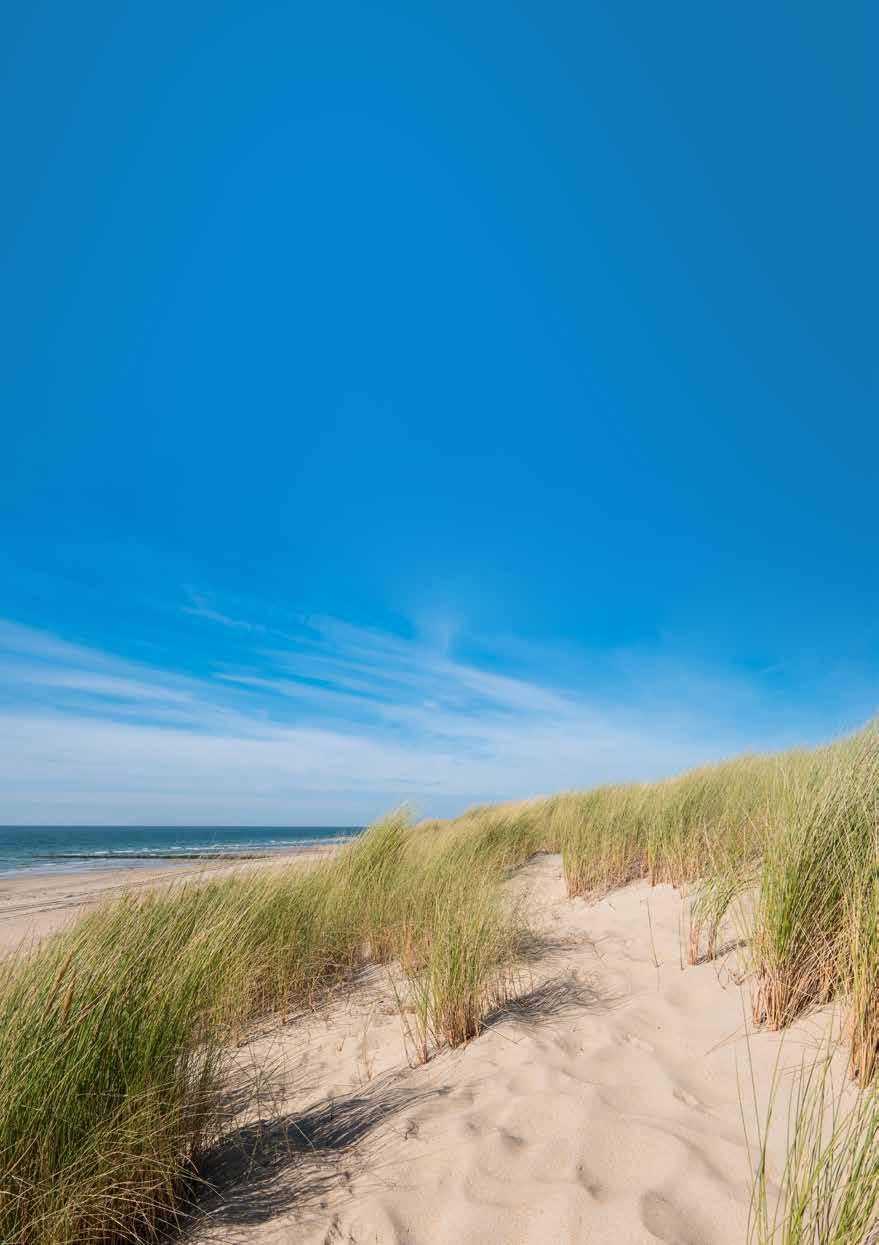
[(828, 1190), (114, 1033)]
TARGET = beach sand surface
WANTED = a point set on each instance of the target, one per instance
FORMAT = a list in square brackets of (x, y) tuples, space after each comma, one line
[(34, 904), (604, 1105)]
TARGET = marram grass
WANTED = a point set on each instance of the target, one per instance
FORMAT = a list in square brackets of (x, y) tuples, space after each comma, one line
[(114, 1033), (827, 1192)]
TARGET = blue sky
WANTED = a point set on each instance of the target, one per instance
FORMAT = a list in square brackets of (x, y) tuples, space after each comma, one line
[(428, 402)]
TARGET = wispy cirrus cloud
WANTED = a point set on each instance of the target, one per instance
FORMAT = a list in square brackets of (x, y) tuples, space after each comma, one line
[(200, 606), (331, 723)]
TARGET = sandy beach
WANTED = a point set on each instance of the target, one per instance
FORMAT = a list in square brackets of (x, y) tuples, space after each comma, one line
[(604, 1104), (439, 636), (34, 904)]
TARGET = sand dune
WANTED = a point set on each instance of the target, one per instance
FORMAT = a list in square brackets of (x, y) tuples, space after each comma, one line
[(604, 1105)]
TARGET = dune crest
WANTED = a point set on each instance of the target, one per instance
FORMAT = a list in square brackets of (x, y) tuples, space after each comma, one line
[(603, 1104)]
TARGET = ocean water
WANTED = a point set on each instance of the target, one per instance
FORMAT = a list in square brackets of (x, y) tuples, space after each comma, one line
[(55, 849)]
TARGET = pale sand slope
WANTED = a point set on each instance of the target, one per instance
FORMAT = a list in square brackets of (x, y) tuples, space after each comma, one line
[(603, 1108), (35, 904)]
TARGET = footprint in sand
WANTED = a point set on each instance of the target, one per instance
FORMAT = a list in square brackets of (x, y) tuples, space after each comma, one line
[(665, 1222), (688, 1099), (639, 1043)]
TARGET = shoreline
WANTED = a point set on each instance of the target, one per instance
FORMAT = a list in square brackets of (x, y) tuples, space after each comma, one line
[(35, 903), (56, 864)]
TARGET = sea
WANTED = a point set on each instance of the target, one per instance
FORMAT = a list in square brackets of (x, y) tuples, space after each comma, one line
[(62, 849)]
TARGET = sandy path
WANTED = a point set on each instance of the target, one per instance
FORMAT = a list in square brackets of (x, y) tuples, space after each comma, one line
[(603, 1107)]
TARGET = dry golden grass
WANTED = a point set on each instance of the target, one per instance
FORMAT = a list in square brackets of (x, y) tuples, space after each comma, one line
[(113, 1036), (828, 1191)]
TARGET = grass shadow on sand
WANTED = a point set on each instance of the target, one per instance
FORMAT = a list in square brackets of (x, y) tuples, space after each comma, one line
[(562, 997), (303, 1161)]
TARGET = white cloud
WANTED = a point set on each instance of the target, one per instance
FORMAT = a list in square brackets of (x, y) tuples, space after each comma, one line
[(200, 607), (93, 683), (331, 726)]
